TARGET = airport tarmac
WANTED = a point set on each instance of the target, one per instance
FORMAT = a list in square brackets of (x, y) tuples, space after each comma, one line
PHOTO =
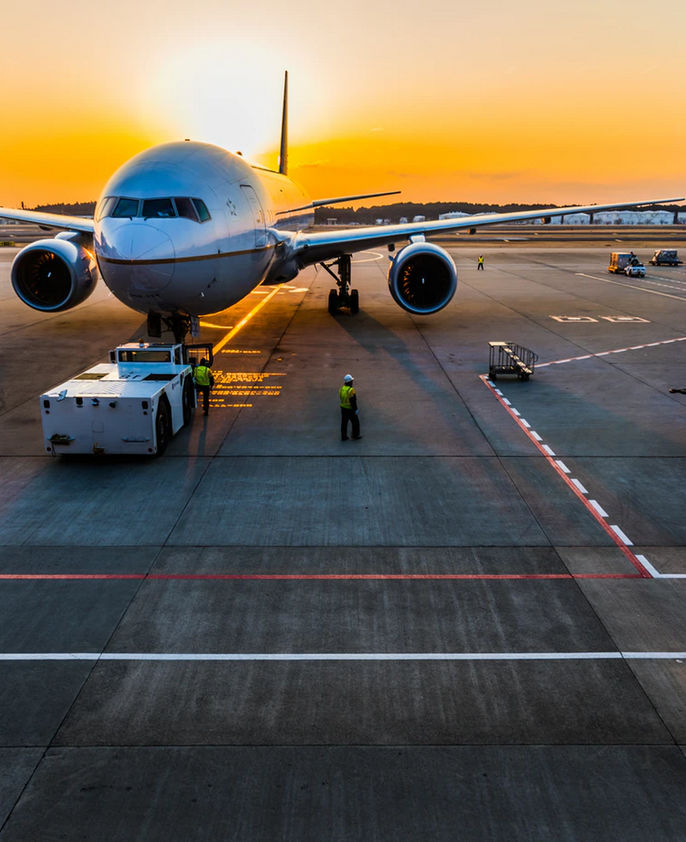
[(471, 624)]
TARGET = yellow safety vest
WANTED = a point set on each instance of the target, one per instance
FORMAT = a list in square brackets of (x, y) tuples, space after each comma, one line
[(202, 375), (481, 260), (345, 393)]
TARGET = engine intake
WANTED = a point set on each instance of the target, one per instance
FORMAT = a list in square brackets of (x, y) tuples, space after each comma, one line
[(54, 275), (422, 278)]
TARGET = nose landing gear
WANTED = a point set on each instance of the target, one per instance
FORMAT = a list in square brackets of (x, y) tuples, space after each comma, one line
[(343, 296)]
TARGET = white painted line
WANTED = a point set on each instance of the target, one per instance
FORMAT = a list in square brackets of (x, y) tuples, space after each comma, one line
[(631, 286), (649, 567), (535, 435), (506, 402), (339, 656), (514, 412), (619, 532), (575, 482), (601, 511), (561, 465), (525, 423), (548, 450), (498, 392)]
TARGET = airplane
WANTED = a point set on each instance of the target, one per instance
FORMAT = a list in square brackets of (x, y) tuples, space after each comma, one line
[(185, 229)]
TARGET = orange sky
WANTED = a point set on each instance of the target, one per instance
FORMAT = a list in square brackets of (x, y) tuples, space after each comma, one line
[(490, 101)]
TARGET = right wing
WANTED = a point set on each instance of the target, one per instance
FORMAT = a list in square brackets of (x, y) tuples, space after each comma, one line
[(309, 248), (51, 220)]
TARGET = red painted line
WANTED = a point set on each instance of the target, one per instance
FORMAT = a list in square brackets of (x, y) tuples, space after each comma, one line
[(72, 576), (311, 576), (551, 460)]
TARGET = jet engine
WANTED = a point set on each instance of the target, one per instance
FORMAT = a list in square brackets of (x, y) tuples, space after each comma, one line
[(422, 278), (55, 274)]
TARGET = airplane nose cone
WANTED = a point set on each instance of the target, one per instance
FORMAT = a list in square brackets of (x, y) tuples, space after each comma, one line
[(139, 256)]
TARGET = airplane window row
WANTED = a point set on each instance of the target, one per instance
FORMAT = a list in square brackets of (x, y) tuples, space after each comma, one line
[(121, 207)]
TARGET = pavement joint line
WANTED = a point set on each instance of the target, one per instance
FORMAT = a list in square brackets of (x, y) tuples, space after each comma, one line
[(614, 532), (340, 656)]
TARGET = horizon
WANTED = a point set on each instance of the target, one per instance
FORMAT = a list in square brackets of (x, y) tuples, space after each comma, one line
[(502, 103)]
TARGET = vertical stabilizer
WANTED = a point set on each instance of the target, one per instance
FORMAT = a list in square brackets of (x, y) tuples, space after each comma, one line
[(283, 156)]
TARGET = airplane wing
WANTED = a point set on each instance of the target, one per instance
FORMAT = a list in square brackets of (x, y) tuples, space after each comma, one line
[(49, 220), (314, 247)]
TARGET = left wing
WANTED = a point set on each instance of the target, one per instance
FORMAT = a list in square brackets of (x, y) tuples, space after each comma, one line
[(49, 220), (315, 247)]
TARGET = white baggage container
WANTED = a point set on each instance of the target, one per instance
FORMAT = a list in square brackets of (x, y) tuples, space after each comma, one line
[(133, 404)]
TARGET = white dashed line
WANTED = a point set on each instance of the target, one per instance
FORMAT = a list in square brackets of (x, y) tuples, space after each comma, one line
[(575, 482), (601, 511), (561, 465), (536, 436), (548, 450), (525, 423), (621, 534)]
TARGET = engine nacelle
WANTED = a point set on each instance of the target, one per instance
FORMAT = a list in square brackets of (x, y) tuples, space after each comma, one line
[(422, 278), (55, 274)]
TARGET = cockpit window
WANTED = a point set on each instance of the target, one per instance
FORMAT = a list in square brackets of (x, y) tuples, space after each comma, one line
[(105, 207), (158, 209), (179, 206), (125, 207), (201, 208), (185, 208)]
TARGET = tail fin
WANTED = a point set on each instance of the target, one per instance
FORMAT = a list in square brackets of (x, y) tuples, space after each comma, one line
[(283, 157)]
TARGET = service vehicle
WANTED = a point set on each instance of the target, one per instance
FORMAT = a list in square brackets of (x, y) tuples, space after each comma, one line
[(666, 257), (132, 405), (626, 263)]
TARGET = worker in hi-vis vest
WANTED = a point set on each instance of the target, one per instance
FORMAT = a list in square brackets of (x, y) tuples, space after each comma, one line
[(348, 401), (480, 262), (204, 381)]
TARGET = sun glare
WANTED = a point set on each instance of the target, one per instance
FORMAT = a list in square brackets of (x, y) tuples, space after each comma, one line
[(222, 92)]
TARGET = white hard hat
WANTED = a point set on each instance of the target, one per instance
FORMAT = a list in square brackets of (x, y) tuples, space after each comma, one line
[(348, 378)]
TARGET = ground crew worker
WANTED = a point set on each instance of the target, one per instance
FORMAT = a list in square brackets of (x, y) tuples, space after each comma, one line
[(348, 401), (480, 262), (204, 381)]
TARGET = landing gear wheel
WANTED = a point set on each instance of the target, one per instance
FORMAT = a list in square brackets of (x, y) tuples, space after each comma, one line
[(163, 427), (187, 400), (333, 301), (354, 301)]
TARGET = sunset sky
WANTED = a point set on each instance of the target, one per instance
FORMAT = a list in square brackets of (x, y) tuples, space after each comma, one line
[(473, 101)]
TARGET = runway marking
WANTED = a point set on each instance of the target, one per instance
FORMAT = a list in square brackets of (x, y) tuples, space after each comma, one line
[(342, 656), (614, 532), (613, 351)]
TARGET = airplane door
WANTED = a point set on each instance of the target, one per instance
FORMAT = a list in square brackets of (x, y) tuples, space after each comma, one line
[(257, 216)]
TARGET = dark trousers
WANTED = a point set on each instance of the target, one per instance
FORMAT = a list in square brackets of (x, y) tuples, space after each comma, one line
[(479, 266), (349, 415), (205, 392)]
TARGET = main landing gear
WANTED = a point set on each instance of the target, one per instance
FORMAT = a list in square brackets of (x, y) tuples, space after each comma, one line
[(343, 296)]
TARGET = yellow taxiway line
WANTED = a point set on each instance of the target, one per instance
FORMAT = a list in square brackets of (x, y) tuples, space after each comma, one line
[(244, 321)]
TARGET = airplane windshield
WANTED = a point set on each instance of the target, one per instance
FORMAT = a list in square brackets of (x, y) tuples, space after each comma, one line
[(179, 206), (125, 207), (158, 208)]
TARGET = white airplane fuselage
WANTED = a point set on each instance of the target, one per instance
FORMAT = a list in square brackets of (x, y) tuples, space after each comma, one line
[(174, 263)]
